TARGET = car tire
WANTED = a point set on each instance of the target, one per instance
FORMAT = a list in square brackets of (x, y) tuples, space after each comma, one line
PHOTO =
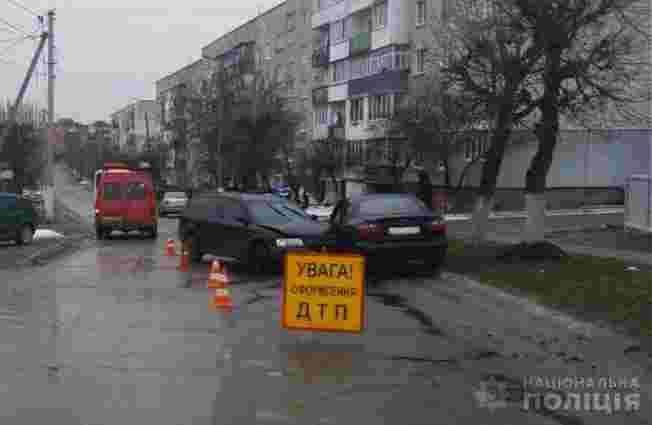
[(259, 258), (434, 265), (25, 235), (153, 232), (100, 233)]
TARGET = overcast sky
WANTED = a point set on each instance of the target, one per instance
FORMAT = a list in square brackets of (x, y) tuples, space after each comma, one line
[(110, 52)]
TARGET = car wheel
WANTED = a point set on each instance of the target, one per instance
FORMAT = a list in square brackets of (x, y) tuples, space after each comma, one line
[(259, 258), (153, 232), (434, 265), (100, 233), (25, 235)]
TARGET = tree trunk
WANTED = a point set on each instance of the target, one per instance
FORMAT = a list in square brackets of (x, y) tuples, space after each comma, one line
[(490, 171), (547, 133), (447, 174)]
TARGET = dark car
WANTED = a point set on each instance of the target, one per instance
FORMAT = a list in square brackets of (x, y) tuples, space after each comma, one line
[(173, 203), (389, 229), (18, 219), (256, 229)]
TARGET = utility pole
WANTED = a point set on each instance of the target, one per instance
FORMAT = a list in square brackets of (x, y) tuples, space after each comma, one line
[(49, 192), (13, 109)]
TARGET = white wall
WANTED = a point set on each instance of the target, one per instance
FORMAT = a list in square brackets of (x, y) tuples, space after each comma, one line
[(338, 93), (339, 51), (581, 159)]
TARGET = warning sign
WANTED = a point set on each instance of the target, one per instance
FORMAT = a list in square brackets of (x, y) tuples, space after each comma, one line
[(323, 292)]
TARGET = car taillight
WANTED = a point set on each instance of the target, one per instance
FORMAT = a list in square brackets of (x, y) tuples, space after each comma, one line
[(370, 231), (438, 226)]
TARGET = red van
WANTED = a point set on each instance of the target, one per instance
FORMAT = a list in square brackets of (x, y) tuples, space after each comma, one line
[(125, 201)]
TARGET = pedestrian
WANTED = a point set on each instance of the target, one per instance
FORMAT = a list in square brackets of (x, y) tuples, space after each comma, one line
[(425, 189), (306, 200)]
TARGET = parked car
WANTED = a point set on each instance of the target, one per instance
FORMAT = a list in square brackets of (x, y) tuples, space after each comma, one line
[(18, 219), (125, 201), (256, 229), (35, 196), (173, 203), (85, 183), (389, 229)]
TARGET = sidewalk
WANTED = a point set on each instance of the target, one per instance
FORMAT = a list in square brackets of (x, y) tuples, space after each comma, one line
[(597, 210)]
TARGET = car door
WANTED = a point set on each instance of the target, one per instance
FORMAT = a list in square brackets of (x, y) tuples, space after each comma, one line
[(111, 201), (235, 228), (209, 221), (7, 218), (136, 209)]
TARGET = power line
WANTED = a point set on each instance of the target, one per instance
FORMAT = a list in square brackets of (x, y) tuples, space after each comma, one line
[(25, 8), (14, 27), (15, 43), (9, 40)]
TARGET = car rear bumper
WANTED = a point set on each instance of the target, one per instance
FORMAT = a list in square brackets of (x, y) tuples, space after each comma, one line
[(121, 225), (404, 251), (171, 209)]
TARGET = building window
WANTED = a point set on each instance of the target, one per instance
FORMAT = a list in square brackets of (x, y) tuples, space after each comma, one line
[(420, 61), (357, 110), (291, 23), (380, 15), (341, 71), (380, 107), (321, 116), (337, 31), (421, 12)]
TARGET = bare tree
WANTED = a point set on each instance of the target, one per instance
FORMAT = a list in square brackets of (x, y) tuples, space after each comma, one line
[(597, 64), (489, 62), (243, 120), (435, 123)]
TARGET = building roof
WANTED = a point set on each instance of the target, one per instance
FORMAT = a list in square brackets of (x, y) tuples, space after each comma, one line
[(179, 71), (250, 21)]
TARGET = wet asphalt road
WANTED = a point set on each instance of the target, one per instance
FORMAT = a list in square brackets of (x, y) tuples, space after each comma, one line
[(115, 334)]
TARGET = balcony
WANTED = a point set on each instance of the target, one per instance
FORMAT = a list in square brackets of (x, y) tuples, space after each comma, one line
[(320, 58), (360, 43), (331, 11), (385, 82)]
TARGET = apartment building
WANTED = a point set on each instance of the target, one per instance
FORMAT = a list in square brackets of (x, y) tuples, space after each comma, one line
[(368, 57), (174, 94), (278, 45), (134, 124)]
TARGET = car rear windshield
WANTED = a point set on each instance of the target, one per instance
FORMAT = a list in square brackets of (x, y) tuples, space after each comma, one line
[(275, 213), (136, 191), (391, 206), (112, 191)]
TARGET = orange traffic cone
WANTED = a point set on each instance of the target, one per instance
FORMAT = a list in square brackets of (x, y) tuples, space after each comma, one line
[(169, 248), (185, 261), (222, 298), (217, 277)]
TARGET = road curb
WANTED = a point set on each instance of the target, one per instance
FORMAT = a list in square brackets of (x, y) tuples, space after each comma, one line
[(552, 213)]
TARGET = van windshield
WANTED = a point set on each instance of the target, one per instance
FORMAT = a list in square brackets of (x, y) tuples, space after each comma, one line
[(112, 191), (135, 191)]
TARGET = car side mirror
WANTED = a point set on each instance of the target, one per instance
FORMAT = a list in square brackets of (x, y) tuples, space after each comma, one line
[(314, 217)]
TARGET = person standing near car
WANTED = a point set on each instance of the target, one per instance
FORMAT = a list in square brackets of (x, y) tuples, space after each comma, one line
[(425, 189)]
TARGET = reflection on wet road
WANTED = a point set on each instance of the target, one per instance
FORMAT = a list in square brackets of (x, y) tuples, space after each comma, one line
[(116, 334)]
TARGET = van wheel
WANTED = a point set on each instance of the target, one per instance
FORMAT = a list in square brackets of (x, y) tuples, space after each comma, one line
[(25, 235), (153, 232)]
